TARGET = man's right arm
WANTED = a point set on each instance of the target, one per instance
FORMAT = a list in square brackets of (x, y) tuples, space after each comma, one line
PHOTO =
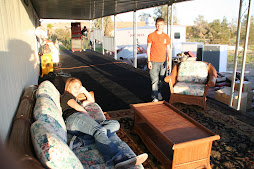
[(148, 50)]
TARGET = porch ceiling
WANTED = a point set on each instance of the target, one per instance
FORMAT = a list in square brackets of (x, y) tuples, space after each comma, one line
[(91, 9)]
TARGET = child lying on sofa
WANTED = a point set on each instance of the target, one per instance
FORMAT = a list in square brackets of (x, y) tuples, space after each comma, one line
[(77, 118)]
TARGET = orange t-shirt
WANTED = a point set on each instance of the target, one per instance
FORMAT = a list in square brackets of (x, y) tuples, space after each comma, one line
[(158, 48)]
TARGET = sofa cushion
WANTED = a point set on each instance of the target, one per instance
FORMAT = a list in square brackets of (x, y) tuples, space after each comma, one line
[(90, 156), (193, 71), (47, 89), (50, 149), (188, 88), (45, 110)]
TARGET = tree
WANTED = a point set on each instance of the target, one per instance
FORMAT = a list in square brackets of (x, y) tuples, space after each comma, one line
[(49, 28), (161, 12), (251, 35), (251, 31), (108, 25), (233, 28), (201, 28), (63, 34), (225, 31), (215, 30), (97, 23), (143, 16)]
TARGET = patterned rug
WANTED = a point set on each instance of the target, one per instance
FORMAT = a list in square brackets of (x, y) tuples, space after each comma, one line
[(234, 150)]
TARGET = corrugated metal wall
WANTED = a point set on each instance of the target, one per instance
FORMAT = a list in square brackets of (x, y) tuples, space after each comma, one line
[(18, 57)]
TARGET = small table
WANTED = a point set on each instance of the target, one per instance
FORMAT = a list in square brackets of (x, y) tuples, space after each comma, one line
[(175, 139)]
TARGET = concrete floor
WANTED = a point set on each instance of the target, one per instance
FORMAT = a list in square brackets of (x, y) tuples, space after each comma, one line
[(115, 83)]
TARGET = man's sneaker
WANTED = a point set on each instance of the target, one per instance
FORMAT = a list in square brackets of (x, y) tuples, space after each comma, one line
[(132, 162), (155, 100), (160, 96)]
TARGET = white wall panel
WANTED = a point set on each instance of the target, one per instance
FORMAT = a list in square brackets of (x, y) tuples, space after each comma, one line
[(18, 57)]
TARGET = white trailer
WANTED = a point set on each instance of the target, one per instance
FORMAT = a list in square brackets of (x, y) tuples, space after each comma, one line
[(124, 41), (125, 35)]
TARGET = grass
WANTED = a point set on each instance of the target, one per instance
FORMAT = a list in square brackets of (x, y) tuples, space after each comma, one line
[(98, 47), (62, 47), (249, 58)]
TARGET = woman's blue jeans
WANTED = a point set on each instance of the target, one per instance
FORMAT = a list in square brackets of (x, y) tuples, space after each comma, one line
[(100, 131), (157, 74)]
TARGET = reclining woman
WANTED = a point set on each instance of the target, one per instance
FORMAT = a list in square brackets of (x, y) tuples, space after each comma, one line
[(77, 118)]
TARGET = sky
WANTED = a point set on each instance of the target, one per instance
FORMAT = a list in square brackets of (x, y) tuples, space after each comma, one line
[(187, 12)]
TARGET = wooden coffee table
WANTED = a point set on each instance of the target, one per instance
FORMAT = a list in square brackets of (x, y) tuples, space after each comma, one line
[(174, 138)]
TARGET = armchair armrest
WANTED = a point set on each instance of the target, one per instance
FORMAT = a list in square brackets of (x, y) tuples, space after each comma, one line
[(212, 75), (172, 77)]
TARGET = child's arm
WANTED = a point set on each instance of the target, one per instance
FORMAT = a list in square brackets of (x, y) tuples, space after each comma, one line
[(73, 104), (89, 97)]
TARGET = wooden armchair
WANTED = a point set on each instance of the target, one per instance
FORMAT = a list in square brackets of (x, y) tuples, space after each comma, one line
[(181, 83)]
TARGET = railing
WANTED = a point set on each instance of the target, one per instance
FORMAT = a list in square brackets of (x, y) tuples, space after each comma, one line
[(96, 34), (108, 42)]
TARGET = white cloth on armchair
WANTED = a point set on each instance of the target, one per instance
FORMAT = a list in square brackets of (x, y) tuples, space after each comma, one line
[(192, 78)]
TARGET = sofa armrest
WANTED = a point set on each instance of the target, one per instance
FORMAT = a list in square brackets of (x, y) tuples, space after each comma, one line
[(212, 75), (19, 141)]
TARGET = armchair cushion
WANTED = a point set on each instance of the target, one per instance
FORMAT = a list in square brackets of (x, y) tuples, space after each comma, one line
[(193, 71), (189, 88)]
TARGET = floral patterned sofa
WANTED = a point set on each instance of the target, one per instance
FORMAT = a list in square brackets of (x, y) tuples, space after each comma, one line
[(189, 82), (53, 146)]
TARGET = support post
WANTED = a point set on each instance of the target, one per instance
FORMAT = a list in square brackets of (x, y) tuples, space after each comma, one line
[(135, 62), (115, 37), (93, 37), (171, 37), (236, 55), (89, 32), (102, 34), (244, 54), (168, 19)]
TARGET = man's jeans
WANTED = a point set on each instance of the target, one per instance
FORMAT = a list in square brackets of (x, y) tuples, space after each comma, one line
[(157, 74), (100, 131), (85, 43)]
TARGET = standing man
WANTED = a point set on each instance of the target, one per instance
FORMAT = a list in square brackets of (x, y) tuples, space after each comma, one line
[(158, 45), (84, 35)]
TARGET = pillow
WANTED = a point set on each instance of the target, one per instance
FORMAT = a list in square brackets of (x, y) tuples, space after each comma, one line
[(193, 71), (47, 89), (95, 111), (45, 110), (51, 150)]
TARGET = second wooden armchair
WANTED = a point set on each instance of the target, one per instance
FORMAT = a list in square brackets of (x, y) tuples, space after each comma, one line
[(189, 82)]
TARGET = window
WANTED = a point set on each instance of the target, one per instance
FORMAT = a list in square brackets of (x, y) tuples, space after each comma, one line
[(177, 35)]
